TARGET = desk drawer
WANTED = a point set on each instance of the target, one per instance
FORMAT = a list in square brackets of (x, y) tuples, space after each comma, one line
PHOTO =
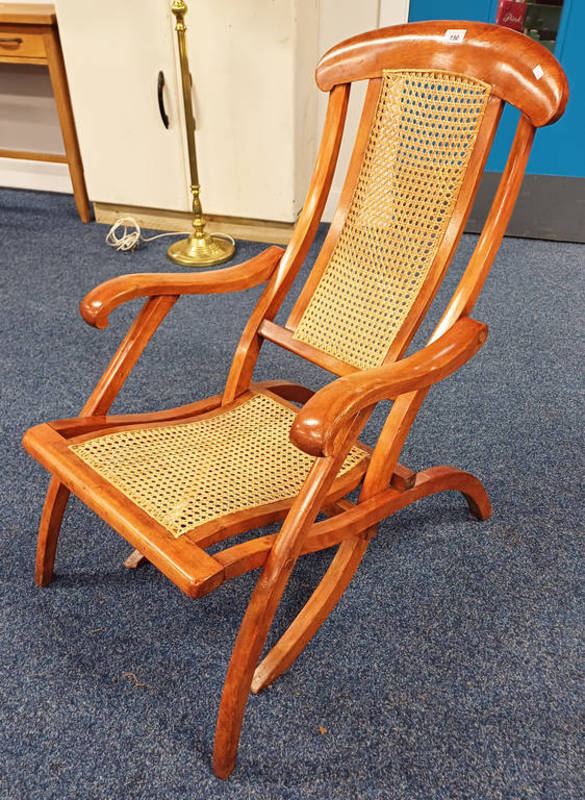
[(21, 45)]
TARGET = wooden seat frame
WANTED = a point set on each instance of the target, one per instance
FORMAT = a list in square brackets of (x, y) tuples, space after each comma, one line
[(520, 72)]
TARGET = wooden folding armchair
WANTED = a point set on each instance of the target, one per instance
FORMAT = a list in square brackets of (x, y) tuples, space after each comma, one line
[(175, 482)]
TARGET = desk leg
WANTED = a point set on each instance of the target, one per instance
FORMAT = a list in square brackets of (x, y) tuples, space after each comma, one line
[(63, 100)]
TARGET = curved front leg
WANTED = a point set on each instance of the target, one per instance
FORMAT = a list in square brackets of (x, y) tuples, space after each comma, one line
[(260, 613), (264, 602)]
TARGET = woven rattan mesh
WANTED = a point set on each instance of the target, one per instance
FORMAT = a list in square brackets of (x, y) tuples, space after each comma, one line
[(189, 474), (415, 161)]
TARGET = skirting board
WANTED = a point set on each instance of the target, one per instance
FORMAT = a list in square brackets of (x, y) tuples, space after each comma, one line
[(548, 207), (44, 176), (254, 230)]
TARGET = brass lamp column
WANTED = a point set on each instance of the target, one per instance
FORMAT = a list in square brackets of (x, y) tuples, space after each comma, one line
[(201, 249)]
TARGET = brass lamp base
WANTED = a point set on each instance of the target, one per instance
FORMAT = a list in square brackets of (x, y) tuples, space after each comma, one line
[(204, 250)]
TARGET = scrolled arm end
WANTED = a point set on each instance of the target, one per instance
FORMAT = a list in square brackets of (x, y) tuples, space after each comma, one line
[(309, 433), (96, 306), (93, 310)]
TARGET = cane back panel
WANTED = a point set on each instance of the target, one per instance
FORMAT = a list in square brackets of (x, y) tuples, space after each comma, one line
[(420, 143)]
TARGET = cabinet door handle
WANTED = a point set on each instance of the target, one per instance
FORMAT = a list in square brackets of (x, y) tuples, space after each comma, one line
[(10, 40), (161, 101)]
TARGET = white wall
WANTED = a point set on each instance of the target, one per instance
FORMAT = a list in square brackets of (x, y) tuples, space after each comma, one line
[(393, 12), (306, 121), (29, 121), (340, 19)]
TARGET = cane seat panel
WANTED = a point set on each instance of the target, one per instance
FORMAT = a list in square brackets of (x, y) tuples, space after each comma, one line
[(420, 143), (184, 475)]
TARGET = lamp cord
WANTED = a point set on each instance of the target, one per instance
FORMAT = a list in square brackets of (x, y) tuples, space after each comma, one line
[(131, 237), (126, 235)]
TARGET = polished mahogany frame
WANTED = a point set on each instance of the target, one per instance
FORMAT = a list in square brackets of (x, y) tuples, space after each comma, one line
[(330, 420)]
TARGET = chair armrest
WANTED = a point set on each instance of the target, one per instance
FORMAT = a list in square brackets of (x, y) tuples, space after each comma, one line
[(97, 305), (326, 415)]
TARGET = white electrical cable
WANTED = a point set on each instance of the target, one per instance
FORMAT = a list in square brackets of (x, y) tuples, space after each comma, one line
[(130, 240), (131, 236)]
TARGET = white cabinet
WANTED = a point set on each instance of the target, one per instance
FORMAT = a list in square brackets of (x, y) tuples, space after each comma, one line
[(255, 103), (113, 52)]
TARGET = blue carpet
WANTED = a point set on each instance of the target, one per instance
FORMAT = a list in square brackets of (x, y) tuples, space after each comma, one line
[(452, 669)]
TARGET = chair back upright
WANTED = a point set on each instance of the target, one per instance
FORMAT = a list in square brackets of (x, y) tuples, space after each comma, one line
[(436, 92)]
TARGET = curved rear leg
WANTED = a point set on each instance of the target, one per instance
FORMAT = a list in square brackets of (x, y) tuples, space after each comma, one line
[(277, 569), (451, 478), (479, 503), (341, 571), (135, 560), (49, 527), (313, 614)]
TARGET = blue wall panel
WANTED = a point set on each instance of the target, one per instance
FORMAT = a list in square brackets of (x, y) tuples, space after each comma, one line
[(474, 10), (560, 149)]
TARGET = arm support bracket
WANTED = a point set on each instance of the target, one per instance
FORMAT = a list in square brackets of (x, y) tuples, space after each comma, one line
[(97, 305), (320, 424)]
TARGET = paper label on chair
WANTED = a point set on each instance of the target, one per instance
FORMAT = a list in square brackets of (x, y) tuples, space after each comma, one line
[(538, 72), (455, 35)]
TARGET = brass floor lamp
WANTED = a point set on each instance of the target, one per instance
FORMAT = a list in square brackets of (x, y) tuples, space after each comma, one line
[(200, 249)]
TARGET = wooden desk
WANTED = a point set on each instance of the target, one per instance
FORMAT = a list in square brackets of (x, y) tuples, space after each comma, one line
[(29, 35)]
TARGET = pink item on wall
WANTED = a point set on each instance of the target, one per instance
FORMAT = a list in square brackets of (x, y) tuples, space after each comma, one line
[(511, 13)]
